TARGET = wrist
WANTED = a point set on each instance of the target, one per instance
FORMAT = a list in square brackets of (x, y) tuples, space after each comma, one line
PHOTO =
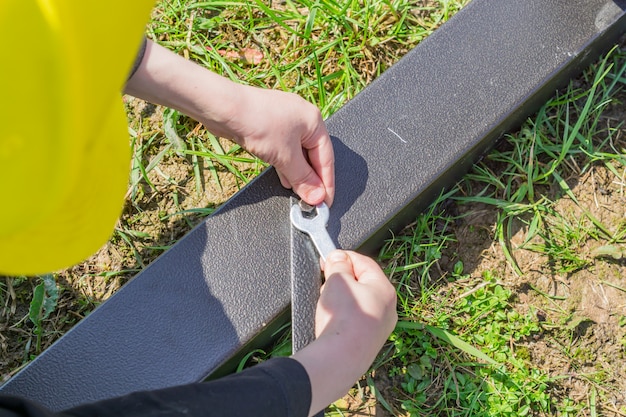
[(334, 362)]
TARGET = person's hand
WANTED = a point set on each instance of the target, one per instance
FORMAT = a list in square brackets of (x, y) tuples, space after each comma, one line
[(355, 314), (288, 132), (280, 128), (357, 302)]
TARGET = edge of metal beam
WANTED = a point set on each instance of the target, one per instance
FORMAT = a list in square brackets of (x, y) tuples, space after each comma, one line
[(401, 141)]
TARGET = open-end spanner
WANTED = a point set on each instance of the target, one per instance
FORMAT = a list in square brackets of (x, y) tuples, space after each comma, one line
[(314, 224)]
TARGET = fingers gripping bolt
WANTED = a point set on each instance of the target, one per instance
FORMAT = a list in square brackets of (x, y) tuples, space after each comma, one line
[(313, 223)]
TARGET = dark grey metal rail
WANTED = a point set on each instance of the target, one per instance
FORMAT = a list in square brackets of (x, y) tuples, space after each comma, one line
[(398, 143)]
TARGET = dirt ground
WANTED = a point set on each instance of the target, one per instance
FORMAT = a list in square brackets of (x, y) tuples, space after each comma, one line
[(590, 301), (582, 314)]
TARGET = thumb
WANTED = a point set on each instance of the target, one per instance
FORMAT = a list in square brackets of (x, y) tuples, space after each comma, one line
[(338, 263), (300, 176)]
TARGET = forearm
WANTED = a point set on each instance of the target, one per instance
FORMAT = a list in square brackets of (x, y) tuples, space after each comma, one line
[(332, 367), (167, 79)]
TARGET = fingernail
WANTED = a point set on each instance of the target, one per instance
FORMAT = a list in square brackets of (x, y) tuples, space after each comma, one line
[(337, 256)]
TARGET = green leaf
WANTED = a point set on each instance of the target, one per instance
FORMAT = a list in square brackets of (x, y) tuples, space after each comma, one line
[(244, 360), (409, 325), (377, 394), (613, 251), (51, 296), (36, 304), (455, 341), (44, 301), (170, 120), (415, 371)]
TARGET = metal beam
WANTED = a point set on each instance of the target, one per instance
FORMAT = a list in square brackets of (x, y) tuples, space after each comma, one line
[(411, 133)]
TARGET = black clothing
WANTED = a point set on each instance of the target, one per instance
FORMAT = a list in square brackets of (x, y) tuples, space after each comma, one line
[(277, 387)]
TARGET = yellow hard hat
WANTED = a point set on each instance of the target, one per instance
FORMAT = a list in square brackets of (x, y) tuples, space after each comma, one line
[(64, 149)]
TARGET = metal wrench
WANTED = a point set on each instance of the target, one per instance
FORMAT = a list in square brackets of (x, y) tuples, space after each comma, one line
[(314, 225)]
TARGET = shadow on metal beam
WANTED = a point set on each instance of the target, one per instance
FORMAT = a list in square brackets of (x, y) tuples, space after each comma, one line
[(410, 134)]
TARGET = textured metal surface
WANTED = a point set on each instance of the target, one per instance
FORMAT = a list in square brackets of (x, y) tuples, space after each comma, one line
[(183, 316), (411, 133)]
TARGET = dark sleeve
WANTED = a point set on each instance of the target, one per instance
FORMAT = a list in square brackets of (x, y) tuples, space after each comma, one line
[(139, 58), (276, 388)]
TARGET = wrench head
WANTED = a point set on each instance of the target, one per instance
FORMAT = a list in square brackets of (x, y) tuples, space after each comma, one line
[(308, 221)]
